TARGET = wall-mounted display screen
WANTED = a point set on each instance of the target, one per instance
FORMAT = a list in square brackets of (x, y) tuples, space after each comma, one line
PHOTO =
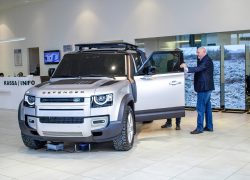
[(52, 57), (214, 53), (190, 59), (234, 72)]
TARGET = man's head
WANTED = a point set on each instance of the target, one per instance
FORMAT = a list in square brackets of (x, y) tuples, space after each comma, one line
[(201, 52)]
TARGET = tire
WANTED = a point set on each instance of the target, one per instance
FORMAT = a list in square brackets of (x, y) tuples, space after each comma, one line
[(32, 143), (125, 140)]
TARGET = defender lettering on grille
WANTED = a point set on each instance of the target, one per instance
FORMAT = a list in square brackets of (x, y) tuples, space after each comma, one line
[(63, 92)]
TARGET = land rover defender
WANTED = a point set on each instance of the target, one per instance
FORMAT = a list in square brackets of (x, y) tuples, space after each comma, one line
[(97, 93)]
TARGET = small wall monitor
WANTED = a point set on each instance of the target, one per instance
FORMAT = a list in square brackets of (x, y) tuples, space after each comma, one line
[(52, 57)]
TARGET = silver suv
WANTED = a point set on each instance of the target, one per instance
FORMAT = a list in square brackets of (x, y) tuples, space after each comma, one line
[(97, 93)]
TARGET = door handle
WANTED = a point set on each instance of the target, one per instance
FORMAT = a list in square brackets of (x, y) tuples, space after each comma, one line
[(173, 83), (146, 78)]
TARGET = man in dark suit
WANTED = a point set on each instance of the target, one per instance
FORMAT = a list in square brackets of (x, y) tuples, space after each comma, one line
[(203, 85)]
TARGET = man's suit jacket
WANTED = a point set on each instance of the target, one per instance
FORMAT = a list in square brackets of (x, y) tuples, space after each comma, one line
[(203, 74)]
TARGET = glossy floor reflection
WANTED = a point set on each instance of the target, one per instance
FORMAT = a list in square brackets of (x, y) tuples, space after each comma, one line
[(157, 153)]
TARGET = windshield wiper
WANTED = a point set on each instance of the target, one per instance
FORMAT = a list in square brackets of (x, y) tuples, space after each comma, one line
[(87, 75), (98, 75), (63, 76)]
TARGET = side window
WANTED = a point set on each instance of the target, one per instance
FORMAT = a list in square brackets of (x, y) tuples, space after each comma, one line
[(133, 69), (165, 62), (137, 60)]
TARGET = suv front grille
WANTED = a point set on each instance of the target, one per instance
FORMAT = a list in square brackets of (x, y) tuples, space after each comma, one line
[(62, 100), (62, 120)]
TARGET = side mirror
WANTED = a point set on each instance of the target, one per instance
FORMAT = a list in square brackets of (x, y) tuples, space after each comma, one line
[(51, 71)]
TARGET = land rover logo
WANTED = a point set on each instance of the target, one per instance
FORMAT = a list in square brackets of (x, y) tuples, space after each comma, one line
[(76, 99)]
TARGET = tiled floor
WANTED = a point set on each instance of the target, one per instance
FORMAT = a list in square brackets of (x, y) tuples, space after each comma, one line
[(157, 153)]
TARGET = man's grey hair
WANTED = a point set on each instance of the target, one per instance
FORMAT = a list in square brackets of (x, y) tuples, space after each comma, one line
[(203, 48)]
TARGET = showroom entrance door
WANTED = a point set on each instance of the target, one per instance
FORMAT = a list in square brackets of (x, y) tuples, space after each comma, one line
[(34, 61)]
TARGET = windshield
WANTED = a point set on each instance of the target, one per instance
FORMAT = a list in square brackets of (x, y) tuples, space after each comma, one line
[(91, 64)]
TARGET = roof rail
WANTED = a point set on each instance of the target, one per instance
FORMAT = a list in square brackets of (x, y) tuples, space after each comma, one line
[(122, 45)]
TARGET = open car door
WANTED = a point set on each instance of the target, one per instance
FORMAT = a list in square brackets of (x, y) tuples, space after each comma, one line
[(160, 87)]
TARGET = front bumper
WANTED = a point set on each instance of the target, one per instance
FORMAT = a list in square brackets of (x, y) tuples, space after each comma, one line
[(111, 131)]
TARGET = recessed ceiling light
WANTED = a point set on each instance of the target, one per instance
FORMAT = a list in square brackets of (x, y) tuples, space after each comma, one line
[(12, 40)]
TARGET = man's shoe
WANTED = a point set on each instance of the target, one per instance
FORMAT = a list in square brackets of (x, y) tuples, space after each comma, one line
[(195, 132), (178, 128), (166, 125), (206, 129)]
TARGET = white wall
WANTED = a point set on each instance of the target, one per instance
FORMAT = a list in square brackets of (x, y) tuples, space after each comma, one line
[(51, 24)]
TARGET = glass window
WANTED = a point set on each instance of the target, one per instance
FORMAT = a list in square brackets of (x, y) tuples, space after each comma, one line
[(165, 62), (91, 64), (137, 60)]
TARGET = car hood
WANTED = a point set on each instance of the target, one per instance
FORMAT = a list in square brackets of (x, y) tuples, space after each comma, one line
[(70, 87)]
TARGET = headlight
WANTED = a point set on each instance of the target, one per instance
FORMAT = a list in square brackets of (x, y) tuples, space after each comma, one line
[(29, 101), (102, 100)]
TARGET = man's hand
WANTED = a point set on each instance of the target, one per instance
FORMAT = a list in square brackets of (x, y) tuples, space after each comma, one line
[(183, 65)]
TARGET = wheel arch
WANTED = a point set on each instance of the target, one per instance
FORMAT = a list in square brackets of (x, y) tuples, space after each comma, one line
[(127, 100), (21, 111)]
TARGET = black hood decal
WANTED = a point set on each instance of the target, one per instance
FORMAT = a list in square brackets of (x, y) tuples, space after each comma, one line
[(74, 81), (109, 83), (41, 84)]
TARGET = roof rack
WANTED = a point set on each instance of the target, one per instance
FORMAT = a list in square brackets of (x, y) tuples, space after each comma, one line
[(122, 45)]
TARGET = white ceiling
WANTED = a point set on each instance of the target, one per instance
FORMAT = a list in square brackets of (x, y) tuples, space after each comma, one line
[(6, 4)]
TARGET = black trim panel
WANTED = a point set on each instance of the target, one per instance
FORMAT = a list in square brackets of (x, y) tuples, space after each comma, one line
[(62, 100), (41, 84), (61, 120), (125, 101), (74, 81), (61, 109), (154, 114), (109, 83)]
